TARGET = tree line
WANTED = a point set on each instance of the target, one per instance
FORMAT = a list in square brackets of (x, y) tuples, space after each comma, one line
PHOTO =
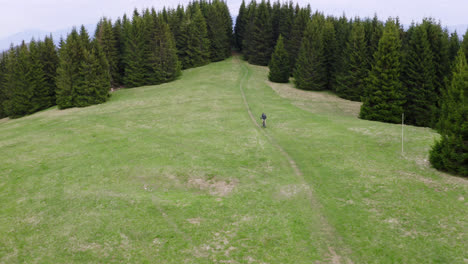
[(420, 71), (147, 48)]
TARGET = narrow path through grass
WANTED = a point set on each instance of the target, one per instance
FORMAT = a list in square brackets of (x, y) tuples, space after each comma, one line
[(315, 205)]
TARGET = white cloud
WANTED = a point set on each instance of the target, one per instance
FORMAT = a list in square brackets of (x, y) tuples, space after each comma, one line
[(50, 15)]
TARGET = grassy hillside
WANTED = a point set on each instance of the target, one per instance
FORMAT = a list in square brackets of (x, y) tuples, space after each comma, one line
[(180, 173)]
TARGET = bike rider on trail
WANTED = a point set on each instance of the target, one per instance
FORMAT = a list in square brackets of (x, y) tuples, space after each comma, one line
[(264, 117)]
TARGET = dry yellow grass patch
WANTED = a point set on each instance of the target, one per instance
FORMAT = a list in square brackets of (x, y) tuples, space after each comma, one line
[(316, 102)]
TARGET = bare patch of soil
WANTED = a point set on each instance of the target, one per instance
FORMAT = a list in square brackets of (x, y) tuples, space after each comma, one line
[(213, 186), (218, 249), (293, 190), (194, 221)]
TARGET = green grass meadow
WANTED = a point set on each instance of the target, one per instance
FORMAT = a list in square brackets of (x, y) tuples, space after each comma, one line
[(179, 173)]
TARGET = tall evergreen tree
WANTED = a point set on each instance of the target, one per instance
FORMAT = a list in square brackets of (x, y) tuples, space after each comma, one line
[(275, 16), (439, 44), (18, 88), (178, 24), (418, 79), (196, 49), (94, 84), (149, 26), (343, 31), (68, 72), (260, 36), (374, 31), (83, 92), (301, 20), (2, 83), (134, 51), (216, 32), (163, 58), (330, 53), (464, 45), (311, 72), (223, 9), (83, 76), (40, 97), (120, 48), (105, 35), (84, 38), (454, 46), (247, 38), (384, 98), (286, 20), (279, 63), (351, 81), (241, 25), (50, 60), (450, 153)]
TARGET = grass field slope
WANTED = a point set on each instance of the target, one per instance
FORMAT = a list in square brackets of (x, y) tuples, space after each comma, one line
[(183, 173)]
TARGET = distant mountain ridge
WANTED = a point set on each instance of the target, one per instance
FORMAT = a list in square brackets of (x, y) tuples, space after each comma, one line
[(39, 34), (461, 29), (27, 35)]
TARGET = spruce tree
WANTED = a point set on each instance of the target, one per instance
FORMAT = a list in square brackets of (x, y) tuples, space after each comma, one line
[(343, 31), (454, 46), (311, 72), (275, 16), (95, 84), (50, 61), (301, 20), (18, 88), (83, 76), (216, 32), (223, 9), (163, 58), (464, 44), (40, 97), (105, 35), (418, 79), (149, 28), (439, 44), (165, 15), (119, 47), (330, 54), (134, 52), (83, 93), (286, 20), (8, 87), (384, 98), (84, 38), (240, 27), (248, 36), (195, 51), (260, 36), (178, 24), (279, 63), (2, 83), (374, 32), (450, 153), (68, 72), (169, 61), (351, 81)]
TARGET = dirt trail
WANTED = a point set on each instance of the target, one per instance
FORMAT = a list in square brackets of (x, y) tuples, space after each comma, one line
[(326, 227), (271, 139)]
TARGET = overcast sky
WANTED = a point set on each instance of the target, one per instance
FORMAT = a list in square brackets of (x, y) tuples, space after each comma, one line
[(51, 15)]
